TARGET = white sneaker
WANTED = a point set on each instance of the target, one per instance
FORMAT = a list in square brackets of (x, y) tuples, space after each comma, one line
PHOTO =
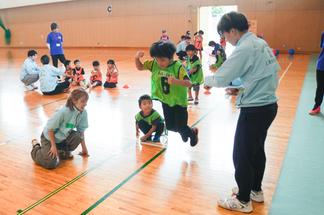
[(34, 86), (256, 196), (233, 204)]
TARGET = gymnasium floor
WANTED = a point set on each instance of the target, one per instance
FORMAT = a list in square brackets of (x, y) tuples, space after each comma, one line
[(120, 176)]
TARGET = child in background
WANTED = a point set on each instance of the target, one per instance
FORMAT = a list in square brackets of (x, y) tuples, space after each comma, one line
[(181, 47), (169, 84), (215, 47), (68, 71), (111, 75), (63, 132), (148, 120), (164, 36), (195, 72), (188, 34), (198, 41), (222, 41), (96, 76), (220, 58), (78, 73)]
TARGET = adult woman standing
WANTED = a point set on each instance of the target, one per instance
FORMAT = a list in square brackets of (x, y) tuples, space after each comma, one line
[(253, 62), (54, 43)]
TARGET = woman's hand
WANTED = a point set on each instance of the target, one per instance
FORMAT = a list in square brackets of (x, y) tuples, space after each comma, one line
[(53, 152)]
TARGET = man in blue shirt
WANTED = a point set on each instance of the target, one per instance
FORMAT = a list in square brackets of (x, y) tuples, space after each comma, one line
[(30, 71), (320, 80), (253, 62), (55, 45)]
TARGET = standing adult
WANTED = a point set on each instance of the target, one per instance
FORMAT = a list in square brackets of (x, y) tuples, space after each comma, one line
[(253, 62), (55, 44), (319, 80)]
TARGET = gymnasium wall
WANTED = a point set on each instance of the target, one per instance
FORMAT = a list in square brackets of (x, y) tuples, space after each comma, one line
[(137, 23)]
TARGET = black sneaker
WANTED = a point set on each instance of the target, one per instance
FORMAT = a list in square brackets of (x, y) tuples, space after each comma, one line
[(194, 137)]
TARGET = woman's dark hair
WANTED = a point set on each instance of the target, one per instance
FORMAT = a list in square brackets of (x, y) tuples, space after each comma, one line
[(232, 20), (190, 48), (201, 32), (162, 49), (76, 61), (31, 53), (95, 63), (54, 26), (45, 59), (110, 61), (183, 37), (66, 63), (143, 98), (76, 94)]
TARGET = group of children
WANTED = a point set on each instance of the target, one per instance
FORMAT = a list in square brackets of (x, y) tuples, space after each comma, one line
[(76, 75), (171, 83), (54, 80)]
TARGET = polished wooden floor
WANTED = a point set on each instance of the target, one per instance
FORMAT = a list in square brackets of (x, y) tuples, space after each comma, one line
[(182, 180)]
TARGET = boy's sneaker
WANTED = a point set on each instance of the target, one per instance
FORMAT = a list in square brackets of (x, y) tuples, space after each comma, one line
[(315, 111), (256, 196), (194, 138), (190, 99), (233, 204), (196, 101)]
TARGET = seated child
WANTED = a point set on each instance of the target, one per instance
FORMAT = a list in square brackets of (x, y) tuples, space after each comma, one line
[(68, 71), (111, 75), (78, 78), (96, 76), (195, 72), (148, 120), (63, 132)]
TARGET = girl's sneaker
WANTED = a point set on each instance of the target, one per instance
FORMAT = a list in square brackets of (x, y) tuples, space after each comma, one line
[(233, 204), (196, 101), (190, 99), (315, 111)]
